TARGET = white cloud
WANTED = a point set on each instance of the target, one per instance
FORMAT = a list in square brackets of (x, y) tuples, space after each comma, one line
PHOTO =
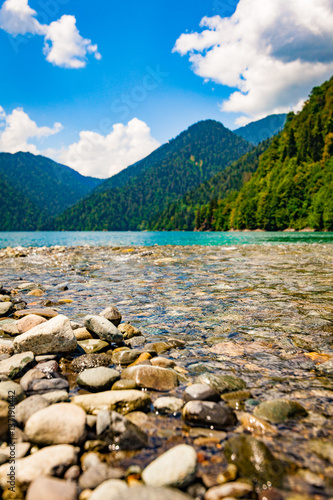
[(103, 156), (19, 129), (272, 51), (63, 44), (67, 48)]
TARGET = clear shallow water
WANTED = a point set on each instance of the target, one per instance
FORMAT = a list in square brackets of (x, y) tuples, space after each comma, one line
[(39, 239)]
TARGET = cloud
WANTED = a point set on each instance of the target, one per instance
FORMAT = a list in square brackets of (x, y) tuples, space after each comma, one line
[(63, 44), (272, 52), (67, 48), (18, 129), (105, 155)]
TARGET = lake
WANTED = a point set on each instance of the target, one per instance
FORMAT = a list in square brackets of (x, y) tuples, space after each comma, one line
[(39, 239)]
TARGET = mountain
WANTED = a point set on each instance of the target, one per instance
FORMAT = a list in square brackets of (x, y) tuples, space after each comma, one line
[(181, 214), (293, 184), (129, 200), (261, 130), (18, 213), (49, 186)]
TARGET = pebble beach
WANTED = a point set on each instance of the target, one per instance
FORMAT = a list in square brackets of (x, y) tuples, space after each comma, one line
[(166, 372)]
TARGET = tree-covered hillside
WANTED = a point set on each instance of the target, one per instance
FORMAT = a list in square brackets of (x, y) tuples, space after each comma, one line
[(293, 185), (261, 130), (134, 197), (48, 185)]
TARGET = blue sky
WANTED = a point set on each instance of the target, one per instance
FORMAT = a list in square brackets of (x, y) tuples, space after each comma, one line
[(130, 71)]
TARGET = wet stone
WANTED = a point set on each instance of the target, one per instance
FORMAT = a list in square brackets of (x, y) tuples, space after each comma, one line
[(279, 410), (117, 431), (222, 383), (235, 490), (91, 346), (109, 490), (168, 405), (120, 401), (149, 493), (112, 314), (208, 414), (42, 386), (90, 361), (97, 474), (103, 328), (254, 460), (124, 385), (125, 358), (152, 377), (98, 379), (201, 392)]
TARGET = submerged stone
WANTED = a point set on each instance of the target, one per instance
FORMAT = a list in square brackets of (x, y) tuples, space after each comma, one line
[(279, 410), (222, 383)]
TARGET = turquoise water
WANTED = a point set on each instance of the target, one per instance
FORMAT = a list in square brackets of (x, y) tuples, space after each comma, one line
[(39, 239)]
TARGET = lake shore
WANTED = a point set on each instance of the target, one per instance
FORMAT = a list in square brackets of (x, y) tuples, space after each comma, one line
[(233, 365)]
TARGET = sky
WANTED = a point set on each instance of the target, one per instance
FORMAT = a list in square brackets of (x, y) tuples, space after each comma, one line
[(100, 85)]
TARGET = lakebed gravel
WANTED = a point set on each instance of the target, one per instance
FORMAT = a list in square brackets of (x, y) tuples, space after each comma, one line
[(167, 372)]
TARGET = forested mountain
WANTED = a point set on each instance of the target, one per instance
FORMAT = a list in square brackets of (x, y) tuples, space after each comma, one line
[(181, 214), (18, 213), (261, 130), (49, 186), (293, 185), (131, 199)]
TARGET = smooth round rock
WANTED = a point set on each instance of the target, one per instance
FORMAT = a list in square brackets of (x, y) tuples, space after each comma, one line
[(149, 493), (15, 366), (62, 423), (222, 383), (176, 467), (109, 490), (168, 405), (254, 460), (124, 385), (208, 414), (152, 377), (91, 346), (125, 357), (10, 391), (279, 410), (98, 379), (233, 490), (30, 321), (121, 401), (103, 328), (201, 392), (28, 407), (112, 314), (52, 489)]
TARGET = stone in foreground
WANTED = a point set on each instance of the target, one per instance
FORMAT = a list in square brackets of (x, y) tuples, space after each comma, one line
[(121, 401), (279, 410), (62, 423), (208, 414), (231, 490), (98, 379), (222, 383), (16, 365), (176, 467), (111, 314), (51, 489), (117, 430), (44, 462), (152, 377), (54, 336)]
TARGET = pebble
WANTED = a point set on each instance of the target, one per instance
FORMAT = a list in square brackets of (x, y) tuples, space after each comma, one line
[(51, 489), (163, 362), (54, 336), (235, 489), (256, 425), (15, 366), (112, 314), (279, 410), (28, 407), (254, 460), (222, 383), (103, 328), (323, 449), (98, 379), (229, 474), (5, 307), (152, 377), (41, 463), (125, 357), (33, 374), (45, 313), (90, 361), (176, 467), (21, 450), (56, 397), (124, 385), (30, 321), (46, 426), (109, 490), (11, 389), (97, 474), (168, 405), (42, 386), (120, 401), (6, 346), (209, 414), (129, 331), (90, 346), (117, 431), (149, 493), (82, 333), (201, 392)]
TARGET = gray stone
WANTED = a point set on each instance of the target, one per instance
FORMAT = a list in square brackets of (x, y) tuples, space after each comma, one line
[(209, 414), (98, 379), (5, 307), (201, 392), (62, 423), (16, 365), (120, 433), (111, 314), (176, 467), (31, 375), (222, 383), (52, 489), (152, 377), (97, 474), (90, 361), (235, 490), (168, 405), (45, 385), (109, 490), (56, 397), (28, 407), (54, 336), (120, 401), (10, 390), (45, 462), (279, 410), (103, 328)]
